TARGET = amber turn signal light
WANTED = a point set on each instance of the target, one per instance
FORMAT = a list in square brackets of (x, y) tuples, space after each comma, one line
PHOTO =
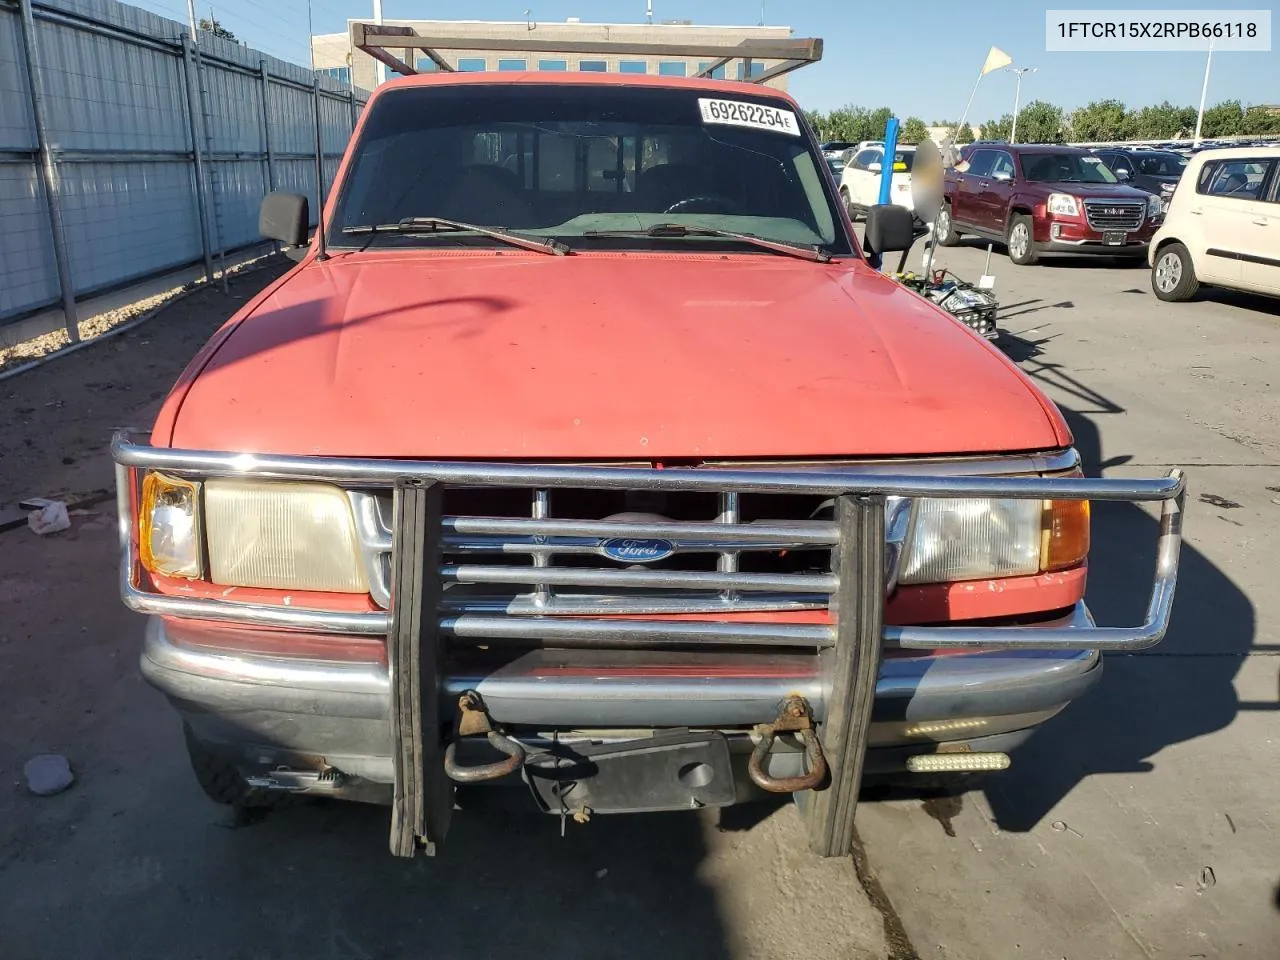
[(1064, 534)]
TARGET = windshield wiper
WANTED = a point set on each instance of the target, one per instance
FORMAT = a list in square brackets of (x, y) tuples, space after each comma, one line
[(675, 230), (440, 224)]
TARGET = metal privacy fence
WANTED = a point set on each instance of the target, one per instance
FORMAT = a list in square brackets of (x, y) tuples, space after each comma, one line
[(127, 150)]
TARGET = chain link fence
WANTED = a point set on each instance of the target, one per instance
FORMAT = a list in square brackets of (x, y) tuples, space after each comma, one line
[(128, 150)]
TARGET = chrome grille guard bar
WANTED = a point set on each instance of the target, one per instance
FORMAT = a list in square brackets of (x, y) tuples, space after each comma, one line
[(591, 630)]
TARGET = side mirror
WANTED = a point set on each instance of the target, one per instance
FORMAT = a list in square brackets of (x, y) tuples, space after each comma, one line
[(1122, 174), (874, 166), (1002, 175), (889, 228), (284, 217)]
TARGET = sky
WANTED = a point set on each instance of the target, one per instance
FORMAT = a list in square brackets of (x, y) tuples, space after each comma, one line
[(917, 57)]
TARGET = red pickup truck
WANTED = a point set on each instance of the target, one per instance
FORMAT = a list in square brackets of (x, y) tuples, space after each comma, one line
[(583, 452), (1039, 199)]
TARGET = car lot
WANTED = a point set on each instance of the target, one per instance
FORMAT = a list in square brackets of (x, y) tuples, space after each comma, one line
[(1141, 822)]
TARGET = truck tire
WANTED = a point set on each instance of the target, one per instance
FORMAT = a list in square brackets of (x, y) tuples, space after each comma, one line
[(944, 228), (1021, 241), (1173, 276), (848, 205), (222, 782)]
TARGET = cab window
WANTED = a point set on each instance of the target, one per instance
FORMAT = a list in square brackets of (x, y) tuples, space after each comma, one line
[(1003, 164), (981, 162), (1237, 179)]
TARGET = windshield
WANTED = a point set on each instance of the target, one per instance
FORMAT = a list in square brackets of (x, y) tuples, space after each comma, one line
[(1161, 165), (574, 162), (1065, 168)]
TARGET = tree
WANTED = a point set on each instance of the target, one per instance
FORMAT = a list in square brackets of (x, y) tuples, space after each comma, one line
[(963, 133), (1260, 119), (1162, 122), (817, 121), (211, 25), (913, 131), (1100, 121), (997, 129), (1225, 119), (1040, 122)]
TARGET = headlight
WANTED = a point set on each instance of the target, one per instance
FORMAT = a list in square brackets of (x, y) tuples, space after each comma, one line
[(1155, 206), (986, 539), (289, 536), (1063, 203), (169, 527)]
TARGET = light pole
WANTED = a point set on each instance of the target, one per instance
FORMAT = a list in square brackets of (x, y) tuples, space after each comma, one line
[(1204, 92), (1017, 98)]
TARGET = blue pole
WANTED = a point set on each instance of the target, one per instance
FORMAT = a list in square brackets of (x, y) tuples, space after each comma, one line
[(890, 149)]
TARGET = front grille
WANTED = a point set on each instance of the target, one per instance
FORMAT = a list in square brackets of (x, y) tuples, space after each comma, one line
[(569, 551), (1108, 215)]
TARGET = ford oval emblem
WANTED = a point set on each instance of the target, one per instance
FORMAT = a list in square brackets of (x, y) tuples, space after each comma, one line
[(631, 550)]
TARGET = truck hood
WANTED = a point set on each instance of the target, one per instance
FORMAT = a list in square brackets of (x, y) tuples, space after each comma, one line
[(484, 355), (1114, 191)]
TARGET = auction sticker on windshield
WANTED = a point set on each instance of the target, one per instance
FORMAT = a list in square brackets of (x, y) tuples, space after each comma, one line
[(735, 113)]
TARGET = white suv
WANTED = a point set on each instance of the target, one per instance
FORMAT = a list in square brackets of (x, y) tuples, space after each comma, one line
[(1222, 227)]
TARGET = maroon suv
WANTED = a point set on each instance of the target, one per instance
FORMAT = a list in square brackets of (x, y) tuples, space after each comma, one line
[(1045, 199)]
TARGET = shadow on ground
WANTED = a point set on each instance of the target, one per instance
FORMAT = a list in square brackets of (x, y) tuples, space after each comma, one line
[(1178, 690)]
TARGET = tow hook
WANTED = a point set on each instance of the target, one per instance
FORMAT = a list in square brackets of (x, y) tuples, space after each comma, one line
[(794, 716), (473, 720)]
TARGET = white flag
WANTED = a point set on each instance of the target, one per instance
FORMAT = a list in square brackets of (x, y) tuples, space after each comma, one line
[(996, 59)]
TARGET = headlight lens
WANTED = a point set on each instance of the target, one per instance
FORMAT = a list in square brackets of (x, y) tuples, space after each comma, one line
[(986, 539), (169, 527), (289, 536), (1155, 206), (1063, 203)]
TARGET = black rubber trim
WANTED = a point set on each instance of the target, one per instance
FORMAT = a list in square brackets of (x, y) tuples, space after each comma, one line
[(1243, 257), (422, 801)]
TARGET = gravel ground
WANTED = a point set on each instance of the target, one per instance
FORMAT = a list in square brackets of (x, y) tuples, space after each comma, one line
[(107, 320)]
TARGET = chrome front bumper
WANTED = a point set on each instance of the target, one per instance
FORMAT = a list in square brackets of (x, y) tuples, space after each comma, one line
[(273, 708)]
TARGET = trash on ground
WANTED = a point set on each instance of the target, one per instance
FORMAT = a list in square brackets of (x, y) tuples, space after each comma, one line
[(47, 774), (47, 516)]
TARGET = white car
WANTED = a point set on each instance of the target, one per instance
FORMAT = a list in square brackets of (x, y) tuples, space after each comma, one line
[(1222, 228), (860, 180)]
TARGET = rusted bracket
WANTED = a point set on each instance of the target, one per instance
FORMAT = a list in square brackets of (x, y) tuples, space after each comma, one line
[(795, 716), (473, 720)]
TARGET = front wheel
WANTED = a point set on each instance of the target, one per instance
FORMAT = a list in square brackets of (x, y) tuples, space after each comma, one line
[(848, 205), (222, 781), (944, 228), (1022, 248), (1173, 277)]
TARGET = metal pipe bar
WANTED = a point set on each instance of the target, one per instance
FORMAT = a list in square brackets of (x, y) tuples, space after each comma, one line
[(849, 672), (194, 125), (264, 90), (714, 66), (606, 633), (366, 471), (814, 532), (373, 35), (640, 579), (49, 173)]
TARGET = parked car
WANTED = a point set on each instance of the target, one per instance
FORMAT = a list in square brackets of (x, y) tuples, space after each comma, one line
[(1223, 226), (833, 148), (1155, 171), (608, 475), (1039, 199), (861, 177)]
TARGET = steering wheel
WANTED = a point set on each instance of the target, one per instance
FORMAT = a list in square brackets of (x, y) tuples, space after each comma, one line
[(707, 204)]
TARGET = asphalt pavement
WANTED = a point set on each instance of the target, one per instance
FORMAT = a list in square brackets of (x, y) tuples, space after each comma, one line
[(1139, 823)]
